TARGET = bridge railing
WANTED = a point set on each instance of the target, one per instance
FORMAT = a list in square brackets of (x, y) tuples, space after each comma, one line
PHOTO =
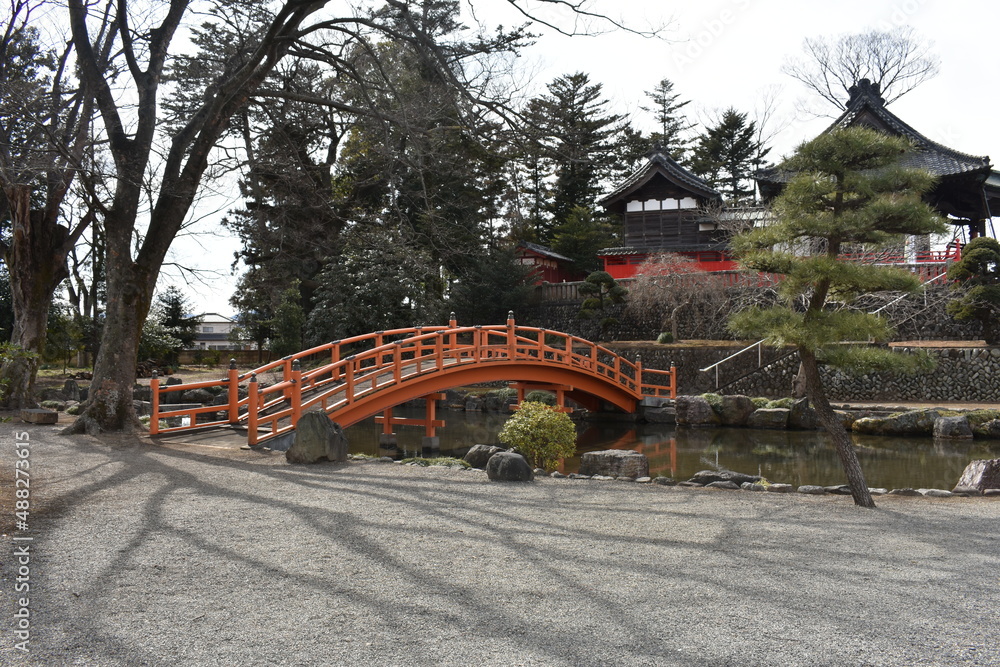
[(342, 381)]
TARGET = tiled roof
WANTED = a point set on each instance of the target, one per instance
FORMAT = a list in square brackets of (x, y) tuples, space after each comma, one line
[(694, 247), (930, 155), (660, 163), (867, 107), (543, 250)]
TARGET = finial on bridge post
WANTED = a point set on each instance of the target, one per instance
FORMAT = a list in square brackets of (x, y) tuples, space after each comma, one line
[(296, 365), (232, 363), (452, 321)]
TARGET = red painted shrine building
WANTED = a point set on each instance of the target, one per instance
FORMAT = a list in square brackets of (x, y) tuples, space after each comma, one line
[(664, 208)]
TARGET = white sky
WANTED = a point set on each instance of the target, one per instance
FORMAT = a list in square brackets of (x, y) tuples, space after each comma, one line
[(722, 53)]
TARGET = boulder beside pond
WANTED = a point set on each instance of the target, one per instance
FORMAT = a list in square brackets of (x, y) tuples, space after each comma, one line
[(695, 411), (706, 477), (956, 428), (508, 467), (776, 418), (317, 438), (802, 416), (736, 409), (614, 463), (915, 422), (479, 455), (982, 474)]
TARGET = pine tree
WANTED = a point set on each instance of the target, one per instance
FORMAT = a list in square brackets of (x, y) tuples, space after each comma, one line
[(848, 190), (577, 136), (671, 125), (977, 276), (728, 154), (176, 320)]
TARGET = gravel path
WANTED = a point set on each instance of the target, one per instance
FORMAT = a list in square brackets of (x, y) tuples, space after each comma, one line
[(148, 555)]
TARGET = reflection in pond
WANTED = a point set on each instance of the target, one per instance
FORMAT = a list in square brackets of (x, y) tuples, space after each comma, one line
[(791, 457)]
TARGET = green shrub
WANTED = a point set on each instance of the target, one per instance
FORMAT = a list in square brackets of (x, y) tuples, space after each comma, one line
[(760, 402), (664, 338), (542, 434), (540, 396), (715, 400), (781, 403)]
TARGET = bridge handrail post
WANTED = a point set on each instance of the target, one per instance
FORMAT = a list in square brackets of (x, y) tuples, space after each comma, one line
[(673, 380), (477, 343), (234, 393), (296, 398), (334, 358), (541, 344), (638, 372), (286, 374), (154, 399), (511, 337), (349, 379), (397, 362), (252, 401), (569, 350)]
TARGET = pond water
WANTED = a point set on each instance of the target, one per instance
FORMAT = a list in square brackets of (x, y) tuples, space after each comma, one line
[(790, 457)]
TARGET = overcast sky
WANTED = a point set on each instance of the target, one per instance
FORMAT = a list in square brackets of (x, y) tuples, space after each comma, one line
[(722, 53)]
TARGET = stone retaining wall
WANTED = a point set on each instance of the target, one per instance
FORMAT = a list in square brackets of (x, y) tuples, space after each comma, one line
[(960, 374), (932, 324)]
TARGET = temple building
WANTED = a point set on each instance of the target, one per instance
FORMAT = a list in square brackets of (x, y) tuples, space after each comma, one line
[(967, 188), (665, 208)]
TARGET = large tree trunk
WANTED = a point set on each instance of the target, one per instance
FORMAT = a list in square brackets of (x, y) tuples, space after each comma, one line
[(36, 261), (130, 285), (841, 439)]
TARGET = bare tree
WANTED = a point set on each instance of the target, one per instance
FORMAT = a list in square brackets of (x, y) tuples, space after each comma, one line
[(45, 124), (135, 132), (673, 284), (897, 61)]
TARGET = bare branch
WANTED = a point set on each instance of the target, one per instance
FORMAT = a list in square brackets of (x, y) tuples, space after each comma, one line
[(897, 61)]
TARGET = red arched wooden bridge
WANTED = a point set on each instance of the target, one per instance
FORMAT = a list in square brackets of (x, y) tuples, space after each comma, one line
[(386, 368)]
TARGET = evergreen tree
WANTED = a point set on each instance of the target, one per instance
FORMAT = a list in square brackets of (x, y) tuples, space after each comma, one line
[(577, 136), (847, 190), (977, 276), (728, 154), (174, 315), (288, 323), (671, 126), (581, 237), (381, 280), (495, 285), (601, 290)]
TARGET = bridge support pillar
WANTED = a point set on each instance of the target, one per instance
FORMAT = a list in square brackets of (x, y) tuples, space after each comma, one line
[(430, 445), (387, 438)]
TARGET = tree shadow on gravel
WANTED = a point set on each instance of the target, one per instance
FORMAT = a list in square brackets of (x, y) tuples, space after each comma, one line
[(418, 563)]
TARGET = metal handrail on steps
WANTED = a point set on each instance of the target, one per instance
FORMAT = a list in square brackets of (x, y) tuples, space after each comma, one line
[(760, 359), (759, 344)]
